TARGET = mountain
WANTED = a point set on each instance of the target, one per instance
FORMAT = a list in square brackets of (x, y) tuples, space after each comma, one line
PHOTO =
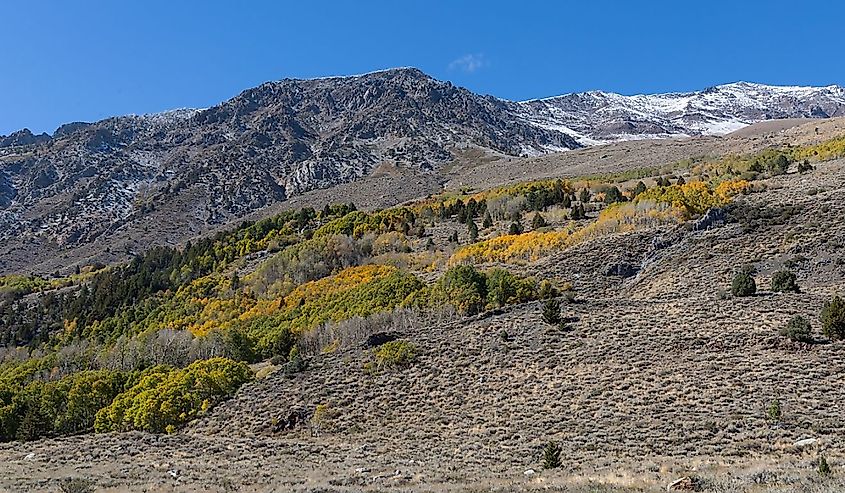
[(261, 147), (198, 169), (597, 116)]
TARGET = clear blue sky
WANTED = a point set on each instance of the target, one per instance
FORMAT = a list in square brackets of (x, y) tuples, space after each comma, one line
[(71, 60)]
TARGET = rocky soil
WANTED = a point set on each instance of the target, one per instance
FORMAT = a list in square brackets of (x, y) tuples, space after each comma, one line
[(661, 375)]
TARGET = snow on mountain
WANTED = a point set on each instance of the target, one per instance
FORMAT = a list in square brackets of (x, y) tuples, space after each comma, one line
[(598, 116)]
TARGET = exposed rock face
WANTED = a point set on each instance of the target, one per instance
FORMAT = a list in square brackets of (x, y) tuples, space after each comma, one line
[(268, 143)]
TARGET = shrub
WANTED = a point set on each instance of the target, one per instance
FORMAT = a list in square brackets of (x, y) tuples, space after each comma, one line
[(551, 312), (395, 354), (775, 411), (823, 467), (784, 281), (743, 284), (515, 228), (833, 318), (798, 329), (805, 166), (77, 485), (551, 456), (547, 290)]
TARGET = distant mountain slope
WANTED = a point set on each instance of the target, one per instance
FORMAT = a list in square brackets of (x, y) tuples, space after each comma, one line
[(598, 116)]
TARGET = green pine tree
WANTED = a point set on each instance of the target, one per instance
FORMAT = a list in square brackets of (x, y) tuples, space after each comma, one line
[(551, 312), (473, 231), (551, 456), (538, 222)]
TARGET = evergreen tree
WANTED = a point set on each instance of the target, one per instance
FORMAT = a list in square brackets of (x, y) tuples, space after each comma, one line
[(34, 424), (551, 312), (798, 329), (538, 222), (639, 188), (551, 456), (473, 231), (779, 165), (584, 196), (743, 284), (833, 318), (784, 281), (612, 195), (488, 221), (515, 228)]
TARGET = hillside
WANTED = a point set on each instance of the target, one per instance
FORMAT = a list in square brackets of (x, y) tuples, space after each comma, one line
[(440, 345)]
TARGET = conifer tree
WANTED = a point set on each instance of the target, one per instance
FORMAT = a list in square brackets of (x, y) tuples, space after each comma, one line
[(551, 456), (488, 221), (538, 222)]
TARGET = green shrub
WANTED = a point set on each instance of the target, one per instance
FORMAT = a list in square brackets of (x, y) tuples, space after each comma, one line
[(823, 467), (784, 281), (547, 290), (743, 284), (833, 318), (395, 354), (798, 329), (775, 411)]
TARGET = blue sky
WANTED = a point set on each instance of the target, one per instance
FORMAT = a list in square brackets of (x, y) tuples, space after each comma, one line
[(71, 60)]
